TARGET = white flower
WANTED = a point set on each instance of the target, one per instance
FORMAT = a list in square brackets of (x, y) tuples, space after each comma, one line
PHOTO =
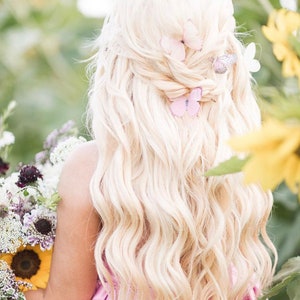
[(94, 9), (10, 233), (7, 139), (63, 149), (249, 56), (289, 4), (9, 184), (4, 199), (51, 174)]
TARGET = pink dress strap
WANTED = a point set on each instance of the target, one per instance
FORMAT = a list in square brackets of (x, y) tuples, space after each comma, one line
[(100, 293), (103, 292)]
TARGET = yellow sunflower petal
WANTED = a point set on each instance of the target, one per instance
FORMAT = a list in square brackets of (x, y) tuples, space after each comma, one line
[(281, 51), (270, 33), (7, 257), (290, 65), (291, 20), (266, 139), (260, 171), (290, 144), (40, 276)]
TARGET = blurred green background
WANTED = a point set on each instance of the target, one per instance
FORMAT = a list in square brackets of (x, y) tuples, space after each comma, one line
[(43, 48), (44, 45)]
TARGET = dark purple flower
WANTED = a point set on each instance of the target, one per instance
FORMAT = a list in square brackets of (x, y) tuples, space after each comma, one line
[(28, 175), (4, 166)]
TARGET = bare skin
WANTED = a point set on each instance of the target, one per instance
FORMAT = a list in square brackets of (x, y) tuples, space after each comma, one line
[(73, 273)]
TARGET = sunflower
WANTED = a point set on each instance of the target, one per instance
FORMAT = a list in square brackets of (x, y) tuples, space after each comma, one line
[(283, 31), (30, 264), (274, 154)]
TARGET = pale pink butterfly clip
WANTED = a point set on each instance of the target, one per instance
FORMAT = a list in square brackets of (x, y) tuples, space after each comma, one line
[(190, 104), (222, 63), (191, 38)]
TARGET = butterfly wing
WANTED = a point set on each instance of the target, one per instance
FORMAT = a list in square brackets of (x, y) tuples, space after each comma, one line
[(193, 108), (173, 47), (196, 94), (178, 106), (222, 63), (254, 66), (191, 36), (193, 105), (249, 54)]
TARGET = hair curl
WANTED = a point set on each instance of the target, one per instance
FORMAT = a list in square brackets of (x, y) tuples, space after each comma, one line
[(168, 232)]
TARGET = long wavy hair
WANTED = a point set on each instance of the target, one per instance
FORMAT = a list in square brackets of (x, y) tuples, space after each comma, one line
[(168, 232)]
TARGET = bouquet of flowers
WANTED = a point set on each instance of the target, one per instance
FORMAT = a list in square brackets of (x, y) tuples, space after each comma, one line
[(28, 201)]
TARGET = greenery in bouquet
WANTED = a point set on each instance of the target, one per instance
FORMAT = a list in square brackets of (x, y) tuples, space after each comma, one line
[(28, 200)]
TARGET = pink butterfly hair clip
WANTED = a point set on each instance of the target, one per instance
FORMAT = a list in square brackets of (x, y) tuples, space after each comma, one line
[(191, 39), (189, 104), (222, 63)]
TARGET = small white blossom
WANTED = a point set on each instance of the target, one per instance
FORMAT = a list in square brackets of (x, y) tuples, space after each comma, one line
[(63, 149), (4, 199), (289, 4), (7, 139), (51, 174), (10, 184), (10, 233)]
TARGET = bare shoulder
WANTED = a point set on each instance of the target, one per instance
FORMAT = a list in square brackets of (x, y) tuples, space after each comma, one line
[(77, 172)]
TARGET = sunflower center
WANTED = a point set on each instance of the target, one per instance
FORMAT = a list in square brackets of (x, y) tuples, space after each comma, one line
[(26, 264), (43, 226)]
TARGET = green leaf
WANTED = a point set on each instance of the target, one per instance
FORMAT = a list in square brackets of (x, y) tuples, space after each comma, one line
[(232, 165), (293, 289), (292, 266), (50, 203), (285, 278)]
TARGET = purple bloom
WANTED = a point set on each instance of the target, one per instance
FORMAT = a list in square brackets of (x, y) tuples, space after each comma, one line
[(21, 208), (53, 139), (41, 157), (28, 175), (40, 226), (4, 166), (58, 135)]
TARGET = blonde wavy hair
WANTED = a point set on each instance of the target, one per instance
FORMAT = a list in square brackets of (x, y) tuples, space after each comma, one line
[(168, 232)]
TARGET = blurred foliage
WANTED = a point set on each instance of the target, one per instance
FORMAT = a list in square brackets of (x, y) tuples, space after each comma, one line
[(44, 45), (285, 220)]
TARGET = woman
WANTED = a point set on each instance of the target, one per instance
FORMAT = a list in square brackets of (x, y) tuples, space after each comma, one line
[(170, 87)]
